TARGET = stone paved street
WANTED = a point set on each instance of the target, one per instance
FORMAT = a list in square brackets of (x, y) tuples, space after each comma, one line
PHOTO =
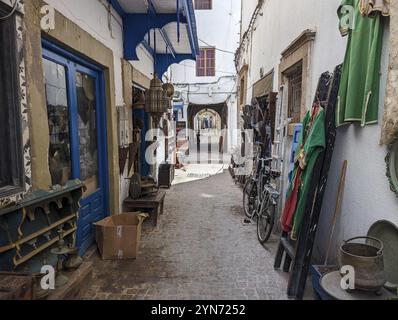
[(200, 250)]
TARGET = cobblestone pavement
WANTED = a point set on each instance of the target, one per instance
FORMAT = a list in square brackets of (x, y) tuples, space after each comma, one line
[(200, 250)]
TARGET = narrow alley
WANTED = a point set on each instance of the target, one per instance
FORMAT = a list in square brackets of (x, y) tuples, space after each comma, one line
[(200, 250), (193, 150)]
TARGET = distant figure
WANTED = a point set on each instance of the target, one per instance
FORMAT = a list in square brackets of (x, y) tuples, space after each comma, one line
[(198, 144)]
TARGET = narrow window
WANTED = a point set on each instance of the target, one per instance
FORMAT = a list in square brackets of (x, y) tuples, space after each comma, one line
[(295, 94), (203, 4), (206, 63), (11, 154)]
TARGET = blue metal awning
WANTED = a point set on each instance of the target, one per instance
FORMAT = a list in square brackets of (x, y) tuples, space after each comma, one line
[(165, 28)]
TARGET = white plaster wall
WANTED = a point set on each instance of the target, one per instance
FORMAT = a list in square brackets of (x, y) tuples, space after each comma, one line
[(220, 28), (282, 21), (367, 197), (144, 63)]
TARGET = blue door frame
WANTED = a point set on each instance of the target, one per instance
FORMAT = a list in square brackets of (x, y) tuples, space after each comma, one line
[(73, 64)]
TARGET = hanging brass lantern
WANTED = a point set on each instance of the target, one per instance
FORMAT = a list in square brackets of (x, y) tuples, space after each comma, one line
[(169, 88), (156, 101)]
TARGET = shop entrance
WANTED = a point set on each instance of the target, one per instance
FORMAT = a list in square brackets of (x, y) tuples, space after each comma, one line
[(76, 118)]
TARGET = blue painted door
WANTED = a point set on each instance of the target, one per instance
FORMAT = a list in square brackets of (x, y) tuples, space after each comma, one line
[(87, 136)]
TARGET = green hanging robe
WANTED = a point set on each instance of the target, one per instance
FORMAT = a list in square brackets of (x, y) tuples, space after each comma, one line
[(312, 143), (358, 99)]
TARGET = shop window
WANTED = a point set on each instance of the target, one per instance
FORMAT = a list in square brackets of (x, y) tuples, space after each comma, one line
[(58, 122), (11, 154), (87, 122), (203, 4), (206, 63)]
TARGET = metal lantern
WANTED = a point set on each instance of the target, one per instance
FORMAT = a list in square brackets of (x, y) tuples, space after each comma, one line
[(156, 102), (169, 89)]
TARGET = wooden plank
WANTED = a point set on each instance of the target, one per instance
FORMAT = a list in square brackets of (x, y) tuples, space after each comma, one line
[(147, 201), (79, 281)]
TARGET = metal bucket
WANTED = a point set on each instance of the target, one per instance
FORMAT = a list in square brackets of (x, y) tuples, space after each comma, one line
[(366, 257)]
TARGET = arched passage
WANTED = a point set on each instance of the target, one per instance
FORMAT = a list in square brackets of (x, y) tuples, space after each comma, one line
[(221, 109), (207, 120)]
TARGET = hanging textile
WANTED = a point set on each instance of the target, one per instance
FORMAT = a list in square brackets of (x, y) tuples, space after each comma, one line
[(358, 99), (312, 143), (390, 123), (373, 7)]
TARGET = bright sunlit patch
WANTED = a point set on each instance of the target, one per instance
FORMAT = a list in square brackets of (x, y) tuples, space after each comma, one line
[(207, 196)]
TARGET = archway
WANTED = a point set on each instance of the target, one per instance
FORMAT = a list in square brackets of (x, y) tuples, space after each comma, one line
[(220, 110), (208, 122)]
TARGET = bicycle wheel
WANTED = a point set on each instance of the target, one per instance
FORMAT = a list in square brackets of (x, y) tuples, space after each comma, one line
[(265, 220), (249, 197)]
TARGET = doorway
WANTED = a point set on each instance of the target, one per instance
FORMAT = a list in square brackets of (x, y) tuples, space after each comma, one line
[(77, 127)]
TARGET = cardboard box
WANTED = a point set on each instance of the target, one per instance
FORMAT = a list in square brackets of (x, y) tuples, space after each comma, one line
[(118, 237)]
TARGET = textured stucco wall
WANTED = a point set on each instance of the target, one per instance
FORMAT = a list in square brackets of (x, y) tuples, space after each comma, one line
[(39, 132), (390, 125)]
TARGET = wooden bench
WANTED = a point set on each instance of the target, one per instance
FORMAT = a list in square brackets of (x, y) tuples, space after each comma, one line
[(155, 203)]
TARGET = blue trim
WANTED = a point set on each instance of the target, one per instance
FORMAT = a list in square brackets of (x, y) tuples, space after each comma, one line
[(164, 61), (74, 63), (168, 42), (178, 21), (151, 7), (136, 27), (65, 54), (192, 29), (148, 48)]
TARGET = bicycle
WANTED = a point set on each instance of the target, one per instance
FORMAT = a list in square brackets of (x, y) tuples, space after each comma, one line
[(260, 197), (266, 215), (251, 185)]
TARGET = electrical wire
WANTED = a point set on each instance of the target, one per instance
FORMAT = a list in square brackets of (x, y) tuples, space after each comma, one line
[(12, 11), (225, 51), (249, 30), (219, 71)]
